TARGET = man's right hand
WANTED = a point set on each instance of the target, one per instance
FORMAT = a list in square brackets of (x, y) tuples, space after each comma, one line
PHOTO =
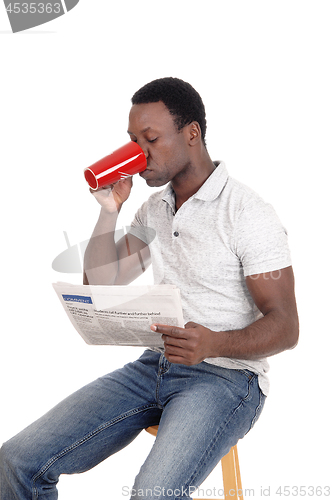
[(107, 262), (111, 197)]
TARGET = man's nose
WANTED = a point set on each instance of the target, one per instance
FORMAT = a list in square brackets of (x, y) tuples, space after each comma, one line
[(144, 149)]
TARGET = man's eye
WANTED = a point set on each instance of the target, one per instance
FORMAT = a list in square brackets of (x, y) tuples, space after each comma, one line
[(152, 140)]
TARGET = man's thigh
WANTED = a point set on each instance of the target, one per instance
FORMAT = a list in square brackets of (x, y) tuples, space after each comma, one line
[(91, 424), (202, 419)]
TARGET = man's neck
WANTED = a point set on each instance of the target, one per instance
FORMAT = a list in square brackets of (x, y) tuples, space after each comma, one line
[(186, 186)]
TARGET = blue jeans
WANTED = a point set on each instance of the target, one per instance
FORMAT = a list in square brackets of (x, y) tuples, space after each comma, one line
[(202, 411)]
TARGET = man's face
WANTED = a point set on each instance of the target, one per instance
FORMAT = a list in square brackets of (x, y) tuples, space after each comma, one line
[(166, 149)]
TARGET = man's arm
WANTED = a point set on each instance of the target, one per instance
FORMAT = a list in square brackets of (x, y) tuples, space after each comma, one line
[(276, 331), (107, 262)]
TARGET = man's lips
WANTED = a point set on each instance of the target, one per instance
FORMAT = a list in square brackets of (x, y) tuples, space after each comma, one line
[(145, 172)]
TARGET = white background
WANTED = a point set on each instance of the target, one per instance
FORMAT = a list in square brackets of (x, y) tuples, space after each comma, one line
[(263, 70)]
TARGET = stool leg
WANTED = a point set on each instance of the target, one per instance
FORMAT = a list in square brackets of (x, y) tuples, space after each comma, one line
[(231, 475)]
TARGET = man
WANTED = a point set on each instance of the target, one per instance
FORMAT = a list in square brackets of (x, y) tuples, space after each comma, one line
[(227, 252)]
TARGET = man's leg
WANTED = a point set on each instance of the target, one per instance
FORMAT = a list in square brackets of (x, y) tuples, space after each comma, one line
[(206, 410), (81, 431)]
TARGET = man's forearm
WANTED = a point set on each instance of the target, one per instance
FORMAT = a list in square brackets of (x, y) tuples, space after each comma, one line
[(265, 337), (275, 332), (101, 259)]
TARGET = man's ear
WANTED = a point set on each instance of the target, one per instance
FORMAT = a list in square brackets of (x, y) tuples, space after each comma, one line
[(195, 134)]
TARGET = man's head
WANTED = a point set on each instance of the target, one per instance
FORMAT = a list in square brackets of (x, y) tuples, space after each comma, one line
[(182, 101), (167, 119)]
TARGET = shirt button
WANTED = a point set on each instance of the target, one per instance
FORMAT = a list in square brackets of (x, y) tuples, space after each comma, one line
[(176, 233)]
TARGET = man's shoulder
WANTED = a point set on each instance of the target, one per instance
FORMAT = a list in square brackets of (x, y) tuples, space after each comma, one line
[(241, 195)]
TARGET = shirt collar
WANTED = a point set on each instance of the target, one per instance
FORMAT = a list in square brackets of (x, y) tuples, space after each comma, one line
[(209, 191)]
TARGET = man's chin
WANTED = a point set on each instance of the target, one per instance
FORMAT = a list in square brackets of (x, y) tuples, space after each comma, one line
[(155, 182)]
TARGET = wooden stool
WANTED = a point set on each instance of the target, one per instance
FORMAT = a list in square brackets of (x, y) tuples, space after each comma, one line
[(230, 471)]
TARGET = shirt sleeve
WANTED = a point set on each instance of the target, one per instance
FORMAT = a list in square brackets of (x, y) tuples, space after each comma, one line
[(139, 227), (261, 242)]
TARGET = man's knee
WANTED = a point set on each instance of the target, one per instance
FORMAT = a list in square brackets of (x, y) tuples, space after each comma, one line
[(17, 470), (12, 457), (7, 456), (150, 486), (16, 459), (8, 470)]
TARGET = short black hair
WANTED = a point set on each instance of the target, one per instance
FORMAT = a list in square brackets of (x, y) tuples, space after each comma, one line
[(180, 98)]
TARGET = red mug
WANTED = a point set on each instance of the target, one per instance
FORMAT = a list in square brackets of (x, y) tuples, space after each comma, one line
[(123, 162)]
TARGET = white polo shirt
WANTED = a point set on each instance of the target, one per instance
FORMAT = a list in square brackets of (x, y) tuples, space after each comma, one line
[(220, 235)]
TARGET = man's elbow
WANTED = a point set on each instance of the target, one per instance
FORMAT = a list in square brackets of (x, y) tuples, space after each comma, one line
[(293, 332)]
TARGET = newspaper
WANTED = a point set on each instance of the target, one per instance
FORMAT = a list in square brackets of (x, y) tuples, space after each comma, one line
[(120, 315)]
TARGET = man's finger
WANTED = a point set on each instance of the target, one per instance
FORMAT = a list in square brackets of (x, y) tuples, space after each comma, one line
[(173, 341), (173, 331)]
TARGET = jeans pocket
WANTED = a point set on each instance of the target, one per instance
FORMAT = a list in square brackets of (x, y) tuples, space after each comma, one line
[(247, 373)]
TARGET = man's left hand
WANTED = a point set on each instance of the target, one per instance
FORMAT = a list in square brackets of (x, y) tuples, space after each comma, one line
[(189, 345)]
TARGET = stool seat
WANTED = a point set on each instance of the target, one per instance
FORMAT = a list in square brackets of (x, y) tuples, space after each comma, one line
[(230, 471)]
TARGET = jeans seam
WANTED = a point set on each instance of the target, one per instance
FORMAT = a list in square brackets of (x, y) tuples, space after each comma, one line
[(157, 392), (250, 382), (257, 411), (218, 433), (83, 440)]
